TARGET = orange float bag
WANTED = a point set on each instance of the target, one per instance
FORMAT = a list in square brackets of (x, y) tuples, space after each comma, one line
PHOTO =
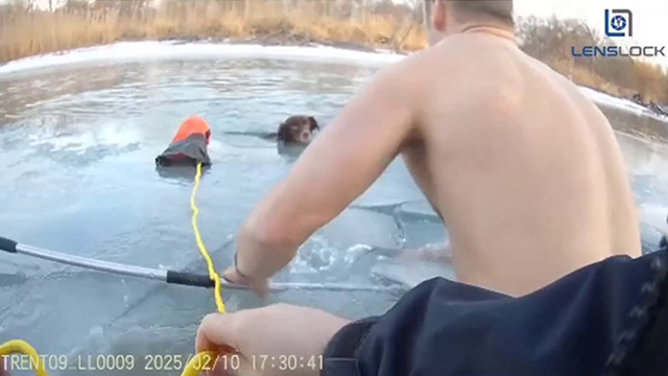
[(189, 146)]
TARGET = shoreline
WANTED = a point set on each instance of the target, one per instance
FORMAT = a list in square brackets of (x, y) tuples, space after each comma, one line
[(278, 40), (654, 127), (206, 48)]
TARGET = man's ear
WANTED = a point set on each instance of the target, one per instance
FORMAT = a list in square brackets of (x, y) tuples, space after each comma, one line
[(313, 123), (438, 18)]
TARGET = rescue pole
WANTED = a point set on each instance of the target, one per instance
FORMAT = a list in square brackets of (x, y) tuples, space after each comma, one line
[(165, 275)]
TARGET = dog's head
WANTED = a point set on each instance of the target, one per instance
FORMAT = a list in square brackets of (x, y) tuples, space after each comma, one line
[(298, 129)]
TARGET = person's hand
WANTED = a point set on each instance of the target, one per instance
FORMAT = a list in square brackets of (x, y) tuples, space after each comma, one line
[(265, 338), (4, 360), (259, 286)]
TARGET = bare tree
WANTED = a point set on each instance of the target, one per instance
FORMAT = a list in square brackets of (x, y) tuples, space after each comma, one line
[(410, 22), (76, 6), (358, 11), (426, 12), (21, 6)]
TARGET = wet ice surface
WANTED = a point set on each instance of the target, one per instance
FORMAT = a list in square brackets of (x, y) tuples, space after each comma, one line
[(77, 176), (648, 165), (76, 155)]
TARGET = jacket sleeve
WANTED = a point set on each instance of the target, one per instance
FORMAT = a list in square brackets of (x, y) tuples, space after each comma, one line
[(340, 354), (388, 344), (597, 320)]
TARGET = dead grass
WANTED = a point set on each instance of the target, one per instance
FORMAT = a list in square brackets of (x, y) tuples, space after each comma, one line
[(31, 33), (551, 40), (647, 79), (652, 81), (25, 32), (588, 78)]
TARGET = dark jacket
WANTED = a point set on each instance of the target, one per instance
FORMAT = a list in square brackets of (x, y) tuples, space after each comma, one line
[(609, 318)]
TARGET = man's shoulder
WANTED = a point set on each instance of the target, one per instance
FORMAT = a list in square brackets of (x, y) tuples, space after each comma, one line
[(442, 59), (415, 71), (427, 57), (404, 79)]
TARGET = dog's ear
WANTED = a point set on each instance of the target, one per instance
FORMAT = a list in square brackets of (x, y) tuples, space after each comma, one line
[(314, 124), (283, 132)]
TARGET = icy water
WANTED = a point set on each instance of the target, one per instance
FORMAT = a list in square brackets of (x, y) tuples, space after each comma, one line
[(77, 176)]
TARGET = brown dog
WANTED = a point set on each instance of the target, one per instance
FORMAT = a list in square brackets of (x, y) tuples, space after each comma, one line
[(298, 129)]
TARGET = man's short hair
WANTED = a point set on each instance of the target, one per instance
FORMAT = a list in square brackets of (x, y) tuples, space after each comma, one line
[(494, 10)]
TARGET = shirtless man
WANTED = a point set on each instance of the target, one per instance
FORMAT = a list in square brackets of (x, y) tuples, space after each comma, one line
[(524, 169)]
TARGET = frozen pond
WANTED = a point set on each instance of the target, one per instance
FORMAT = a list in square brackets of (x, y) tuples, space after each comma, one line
[(77, 144)]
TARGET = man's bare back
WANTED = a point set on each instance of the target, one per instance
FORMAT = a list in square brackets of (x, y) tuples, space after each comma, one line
[(525, 170)]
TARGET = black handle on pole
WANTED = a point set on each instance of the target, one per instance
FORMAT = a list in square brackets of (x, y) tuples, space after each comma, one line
[(189, 279), (8, 245)]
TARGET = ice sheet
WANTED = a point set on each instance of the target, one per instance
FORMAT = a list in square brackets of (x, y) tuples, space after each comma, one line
[(155, 50)]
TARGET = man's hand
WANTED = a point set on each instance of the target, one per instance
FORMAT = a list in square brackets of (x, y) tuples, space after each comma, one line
[(341, 164), (268, 333), (259, 286), (3, 363)]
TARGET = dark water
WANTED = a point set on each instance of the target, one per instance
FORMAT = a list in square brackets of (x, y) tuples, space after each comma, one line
[(77, 176)]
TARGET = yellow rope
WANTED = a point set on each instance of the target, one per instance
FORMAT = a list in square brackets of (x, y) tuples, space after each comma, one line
[(17, 346), (199, 363), (200, 244)]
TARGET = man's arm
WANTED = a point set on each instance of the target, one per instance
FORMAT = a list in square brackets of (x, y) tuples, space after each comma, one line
[(347, 157)]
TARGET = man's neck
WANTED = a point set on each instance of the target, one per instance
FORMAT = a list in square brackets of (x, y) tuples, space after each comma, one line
[(498, 31)]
